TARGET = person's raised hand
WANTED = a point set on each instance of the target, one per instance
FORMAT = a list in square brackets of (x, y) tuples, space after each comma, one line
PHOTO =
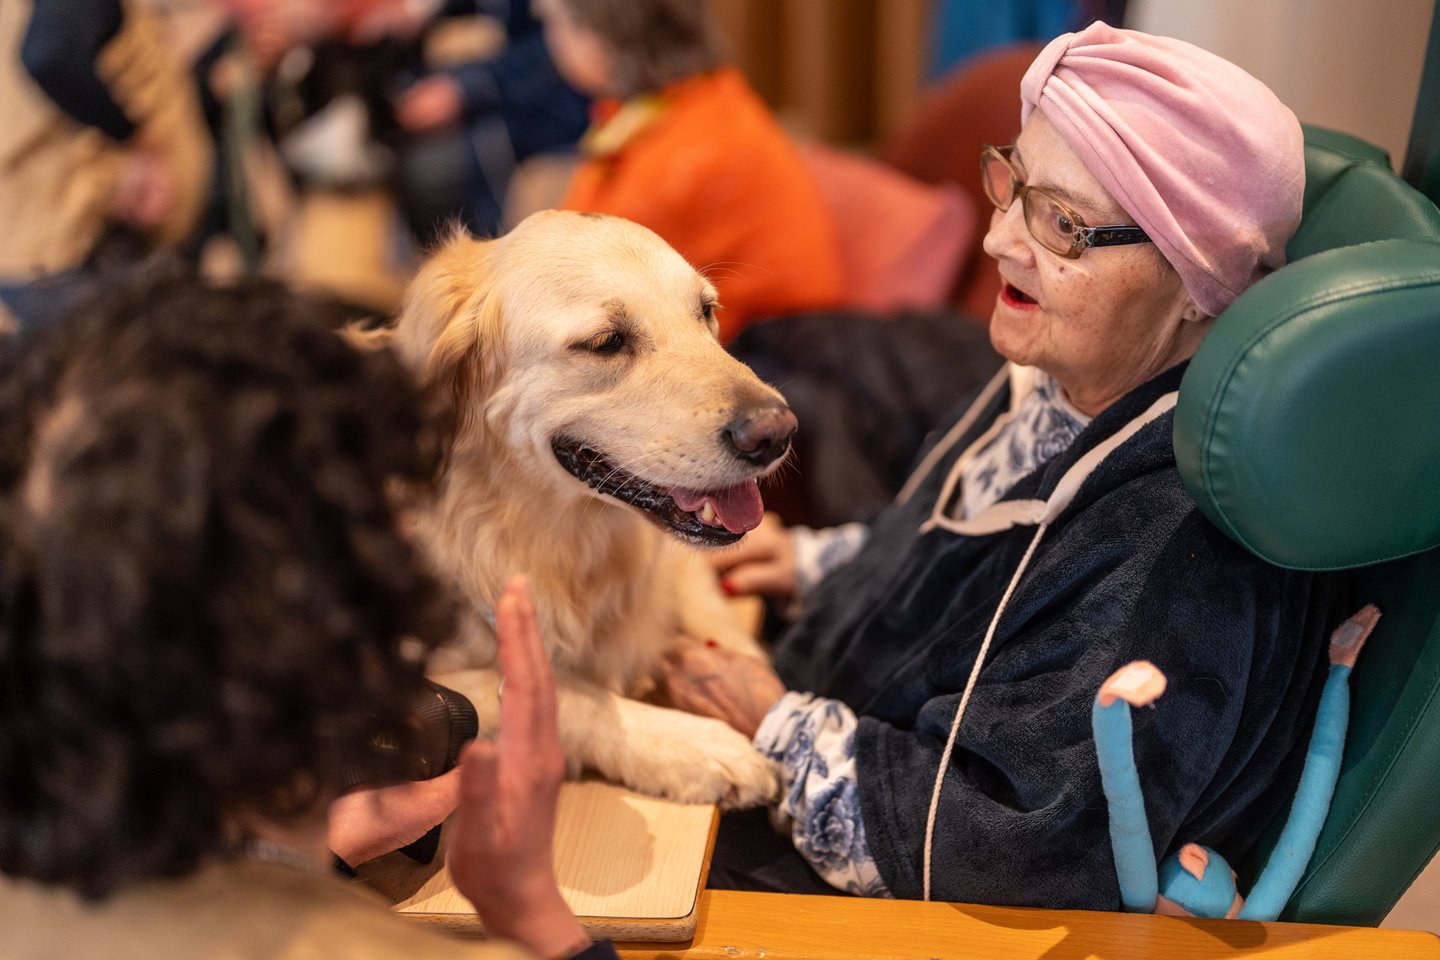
[(501, 841), (762, 563)]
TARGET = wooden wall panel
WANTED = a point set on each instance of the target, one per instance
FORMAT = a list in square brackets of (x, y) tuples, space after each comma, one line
[(841, 70)]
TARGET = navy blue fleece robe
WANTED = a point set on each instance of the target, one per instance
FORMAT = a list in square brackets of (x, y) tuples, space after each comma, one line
[(1130, 570)]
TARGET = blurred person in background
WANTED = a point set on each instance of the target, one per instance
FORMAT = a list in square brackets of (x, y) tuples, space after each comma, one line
[(466, 128), (682, 145), (374, 104), (100, 131)]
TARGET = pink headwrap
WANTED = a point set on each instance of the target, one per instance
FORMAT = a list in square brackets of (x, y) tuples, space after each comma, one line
[(1205, 158)]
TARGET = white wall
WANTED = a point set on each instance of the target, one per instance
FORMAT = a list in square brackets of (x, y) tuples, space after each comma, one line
[(1353, 65)]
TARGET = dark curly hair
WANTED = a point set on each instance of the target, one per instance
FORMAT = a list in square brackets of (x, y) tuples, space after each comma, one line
[(204, 597)]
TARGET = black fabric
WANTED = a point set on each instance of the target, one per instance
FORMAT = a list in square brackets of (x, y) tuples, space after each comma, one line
[(1130, 570), (598, 950), (866, 391), (61, 44), (750, 855)]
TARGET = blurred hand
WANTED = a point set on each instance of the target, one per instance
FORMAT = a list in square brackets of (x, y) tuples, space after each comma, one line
[(709, 680), (371, 821), (430, 104), (502, 839), (273, 27), (145, 192), (401, 19), (763, 562)]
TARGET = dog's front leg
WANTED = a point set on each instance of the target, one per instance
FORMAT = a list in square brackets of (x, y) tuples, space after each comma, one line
[(655, 750), (704, 610), (663, 752)]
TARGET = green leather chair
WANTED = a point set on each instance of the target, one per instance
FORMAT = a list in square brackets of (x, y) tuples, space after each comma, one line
[(1308, 429)]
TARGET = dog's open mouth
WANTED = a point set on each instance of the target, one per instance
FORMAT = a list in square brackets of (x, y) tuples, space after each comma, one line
[(711, 518)]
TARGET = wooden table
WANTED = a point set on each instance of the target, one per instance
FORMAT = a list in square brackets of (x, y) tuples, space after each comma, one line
[(771, 926), (633, 867)]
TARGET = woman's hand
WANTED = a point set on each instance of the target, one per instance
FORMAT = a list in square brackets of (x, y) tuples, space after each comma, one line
[(371, 821), (714, 682), (500, 843), (430, 104), (144, 194), (763, 562)]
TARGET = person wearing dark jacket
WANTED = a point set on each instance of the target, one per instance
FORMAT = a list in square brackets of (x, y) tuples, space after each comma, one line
[(470, 125), (932, 705)]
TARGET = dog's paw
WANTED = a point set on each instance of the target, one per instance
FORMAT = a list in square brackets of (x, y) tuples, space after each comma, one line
[(754, 781), (698, 760)]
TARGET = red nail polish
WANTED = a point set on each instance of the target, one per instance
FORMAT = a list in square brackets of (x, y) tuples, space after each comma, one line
[(712, 643), (727, 588)]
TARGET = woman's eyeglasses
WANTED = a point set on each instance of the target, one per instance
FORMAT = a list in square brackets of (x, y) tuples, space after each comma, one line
[(1054, 226)]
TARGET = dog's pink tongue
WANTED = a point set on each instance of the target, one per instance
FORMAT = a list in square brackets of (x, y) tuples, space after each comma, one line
[(737, 508)]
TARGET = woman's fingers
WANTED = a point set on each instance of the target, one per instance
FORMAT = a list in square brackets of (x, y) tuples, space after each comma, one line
[(528, 713), (479, 792), (759, 546), (529, 739), (764, 579), (746, 551), (763, 563)]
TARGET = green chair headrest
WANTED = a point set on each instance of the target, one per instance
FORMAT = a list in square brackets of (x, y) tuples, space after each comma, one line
[(1308, 424), (1352, 196)]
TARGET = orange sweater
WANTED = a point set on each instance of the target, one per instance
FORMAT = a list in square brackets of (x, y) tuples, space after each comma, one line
[(706, 167)]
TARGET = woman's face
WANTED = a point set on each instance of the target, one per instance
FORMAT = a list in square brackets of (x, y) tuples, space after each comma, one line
[(582, 58), (1100, 325)]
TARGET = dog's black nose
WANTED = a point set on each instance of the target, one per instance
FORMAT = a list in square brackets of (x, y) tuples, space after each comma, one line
[(761, 436)]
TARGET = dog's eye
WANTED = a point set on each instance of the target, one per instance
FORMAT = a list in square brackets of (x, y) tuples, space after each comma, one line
[(610, 344), (707, 310)]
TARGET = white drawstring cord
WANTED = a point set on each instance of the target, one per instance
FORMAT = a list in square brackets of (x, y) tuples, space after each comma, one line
[(918, 475), (1016, 512), (965, 701)]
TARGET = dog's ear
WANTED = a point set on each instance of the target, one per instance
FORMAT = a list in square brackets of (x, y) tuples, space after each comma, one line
[(447, 309), (448, 327)]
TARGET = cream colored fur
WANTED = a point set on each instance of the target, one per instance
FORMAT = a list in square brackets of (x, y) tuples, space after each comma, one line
[(507, 328)]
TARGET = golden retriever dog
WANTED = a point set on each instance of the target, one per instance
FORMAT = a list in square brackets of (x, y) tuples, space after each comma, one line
[(602, 432)]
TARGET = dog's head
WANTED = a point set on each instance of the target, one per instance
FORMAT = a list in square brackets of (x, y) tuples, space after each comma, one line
[(583, 349)]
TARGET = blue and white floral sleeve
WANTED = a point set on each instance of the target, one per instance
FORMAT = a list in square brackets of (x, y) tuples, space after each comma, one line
[(814, 741), (817, 552)]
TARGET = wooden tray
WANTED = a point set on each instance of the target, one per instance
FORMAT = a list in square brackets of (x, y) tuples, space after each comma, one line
[(630, 866)]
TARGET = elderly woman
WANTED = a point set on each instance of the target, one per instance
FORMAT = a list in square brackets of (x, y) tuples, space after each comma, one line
[(936, 738)]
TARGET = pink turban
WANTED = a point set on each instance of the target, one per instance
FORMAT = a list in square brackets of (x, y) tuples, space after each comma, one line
[(1205, 158)]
